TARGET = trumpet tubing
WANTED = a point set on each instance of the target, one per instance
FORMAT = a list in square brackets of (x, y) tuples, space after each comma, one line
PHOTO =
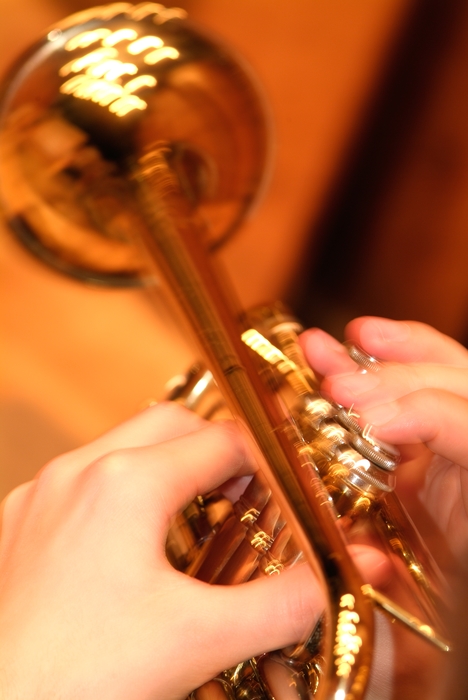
[(130, 139)]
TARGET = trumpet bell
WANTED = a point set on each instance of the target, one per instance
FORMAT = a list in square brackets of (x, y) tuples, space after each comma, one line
[(85, 103)]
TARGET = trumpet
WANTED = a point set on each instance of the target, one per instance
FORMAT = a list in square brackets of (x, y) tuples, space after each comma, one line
[(130, 141)]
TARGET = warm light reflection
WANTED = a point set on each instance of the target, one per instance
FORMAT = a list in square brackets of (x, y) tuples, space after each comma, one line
[(85, 39), (126, 104), (84, 61), (348, 459), (347, 641), (101, 70), (144, 43), (250, 516), (136, 12), (146, 8), (120, 35), (269, 352), (112, 69), (87, 88), (105, 93), (169, 13), (261, 540), (160, 54), (139, 82), (109, 11), (274, 567), (161, 13)]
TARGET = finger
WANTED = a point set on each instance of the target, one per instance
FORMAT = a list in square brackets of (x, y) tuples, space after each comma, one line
[(364, 390), (437, 419), (164, 421), (262, 615), (276, 611), (11, 509), (431, 416), (156, 481), (405, 341), (374, 565), (234, 488), (222, 626), (325, 354)]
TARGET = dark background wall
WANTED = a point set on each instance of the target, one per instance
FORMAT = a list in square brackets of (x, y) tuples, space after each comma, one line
[(392, 237)]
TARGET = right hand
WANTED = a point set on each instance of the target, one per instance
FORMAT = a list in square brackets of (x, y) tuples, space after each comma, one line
[(418, 400)]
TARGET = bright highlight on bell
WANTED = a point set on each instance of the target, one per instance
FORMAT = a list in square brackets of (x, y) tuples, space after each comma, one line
[(120, 35), (98, 74), (144, 43)]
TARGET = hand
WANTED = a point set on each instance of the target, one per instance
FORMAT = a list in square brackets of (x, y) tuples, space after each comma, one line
[(89, 605), (418, 400)]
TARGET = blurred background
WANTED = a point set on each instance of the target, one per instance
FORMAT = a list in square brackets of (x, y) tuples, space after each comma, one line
[(365, 212)]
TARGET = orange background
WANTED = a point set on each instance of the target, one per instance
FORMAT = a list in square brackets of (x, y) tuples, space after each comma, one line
[(77, 360)]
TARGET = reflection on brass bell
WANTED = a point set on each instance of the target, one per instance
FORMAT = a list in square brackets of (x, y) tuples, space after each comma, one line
[(97, 93)]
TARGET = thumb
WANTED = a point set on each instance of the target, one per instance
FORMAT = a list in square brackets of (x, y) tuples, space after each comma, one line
[(216, 627), (273, 612), (258, 616), (230, 624)]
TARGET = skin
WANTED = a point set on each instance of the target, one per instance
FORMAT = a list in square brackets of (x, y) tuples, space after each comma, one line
[(418, 401), (90, 606)]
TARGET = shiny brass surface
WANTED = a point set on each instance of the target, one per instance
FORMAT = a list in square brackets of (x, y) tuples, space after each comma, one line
[(132, 142), (84, 103), (170, 239), (255, 539)]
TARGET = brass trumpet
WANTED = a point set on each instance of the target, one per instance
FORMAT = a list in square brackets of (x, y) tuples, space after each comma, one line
[(122, 150)]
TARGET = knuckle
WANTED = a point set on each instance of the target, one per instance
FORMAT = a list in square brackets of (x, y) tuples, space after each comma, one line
[(18, 494), (227, 433), (226, 429), (49, 474), (112, 479), (111, 466)]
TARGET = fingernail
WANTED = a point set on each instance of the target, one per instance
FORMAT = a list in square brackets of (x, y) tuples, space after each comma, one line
[(380, 415), (392, 331)]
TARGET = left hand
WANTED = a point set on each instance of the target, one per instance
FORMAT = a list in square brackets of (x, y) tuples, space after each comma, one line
[(89, 605)]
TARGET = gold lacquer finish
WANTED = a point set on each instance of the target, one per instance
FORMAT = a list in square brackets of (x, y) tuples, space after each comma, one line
[(83, 105), (130, 140), (170, 239)]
